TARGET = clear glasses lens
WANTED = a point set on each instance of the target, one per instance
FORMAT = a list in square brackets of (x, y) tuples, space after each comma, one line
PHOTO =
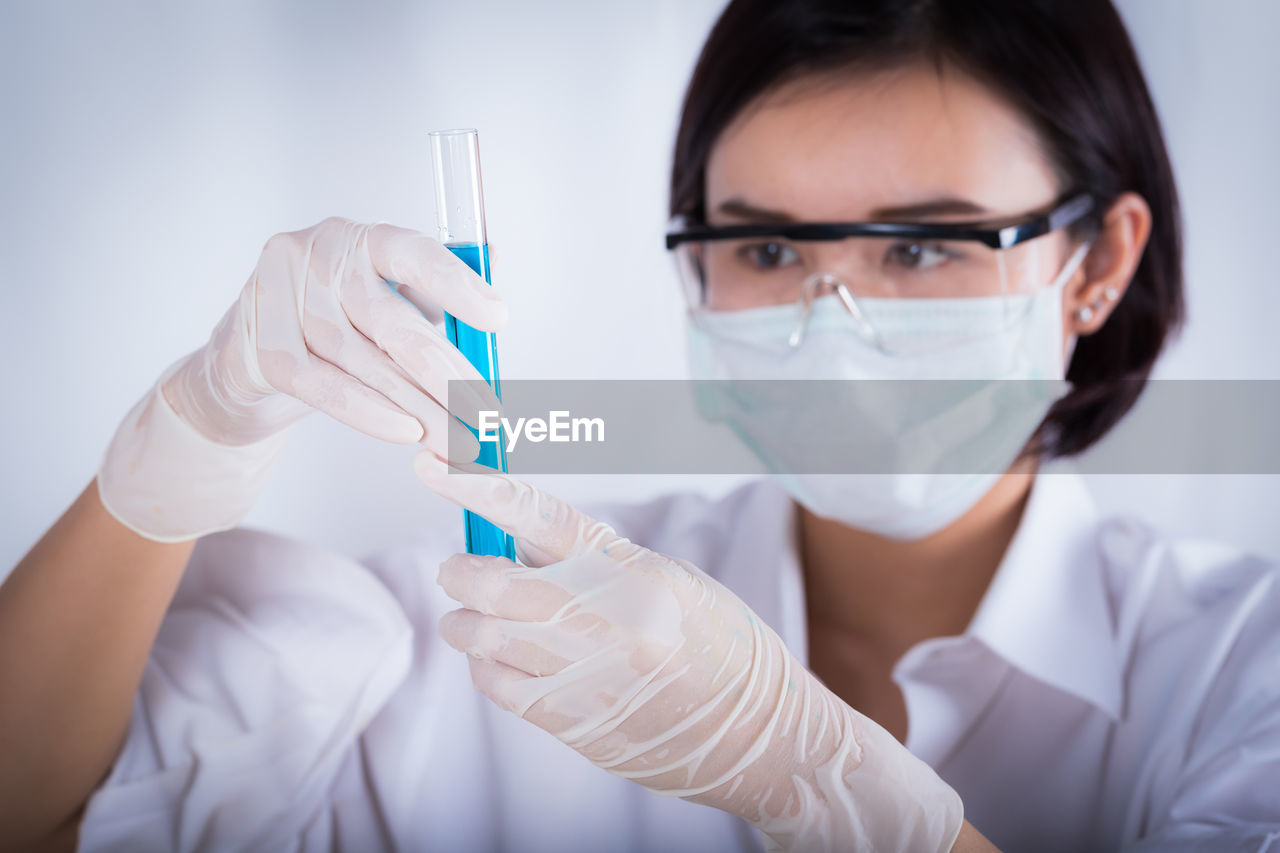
[(721, 277)]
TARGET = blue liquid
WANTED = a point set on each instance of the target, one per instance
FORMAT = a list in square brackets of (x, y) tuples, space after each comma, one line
[(481, 349)]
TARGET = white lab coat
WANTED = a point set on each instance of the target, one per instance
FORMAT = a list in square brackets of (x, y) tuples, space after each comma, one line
[(1115, 690)]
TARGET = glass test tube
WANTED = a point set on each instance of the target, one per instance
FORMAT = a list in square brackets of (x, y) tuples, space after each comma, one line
[(455, 160)]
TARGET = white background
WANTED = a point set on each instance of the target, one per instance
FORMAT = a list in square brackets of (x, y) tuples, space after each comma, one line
[(148, 151)]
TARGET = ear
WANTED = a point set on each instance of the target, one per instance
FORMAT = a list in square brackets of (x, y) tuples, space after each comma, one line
[(1089, 299)]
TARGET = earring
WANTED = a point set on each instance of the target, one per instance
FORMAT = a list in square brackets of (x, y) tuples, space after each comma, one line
[(1085, 313)]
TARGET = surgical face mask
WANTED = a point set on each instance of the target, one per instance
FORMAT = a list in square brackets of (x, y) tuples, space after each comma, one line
[(936, 447)]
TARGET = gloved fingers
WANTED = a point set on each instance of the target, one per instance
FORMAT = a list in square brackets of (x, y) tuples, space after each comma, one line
[(532, 555), (536, 648), (360, 358), (554, 703), (325, 387), (413, 259), (494, 585), (433, 312), (582, 704), (500, 683), (277, 353), (397, 328), (555, 528)]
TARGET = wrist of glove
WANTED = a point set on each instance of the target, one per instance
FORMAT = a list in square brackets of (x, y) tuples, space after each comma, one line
[(194, 454), (823, 776), (168, 481), (654, 671)]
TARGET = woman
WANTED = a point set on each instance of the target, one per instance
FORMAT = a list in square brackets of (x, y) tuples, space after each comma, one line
[(1062, 682)]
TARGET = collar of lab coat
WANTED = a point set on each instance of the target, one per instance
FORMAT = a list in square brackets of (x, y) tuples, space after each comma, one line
[(1046, 611)]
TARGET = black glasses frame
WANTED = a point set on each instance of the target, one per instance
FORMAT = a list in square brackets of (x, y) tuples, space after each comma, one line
[(1000, 234)]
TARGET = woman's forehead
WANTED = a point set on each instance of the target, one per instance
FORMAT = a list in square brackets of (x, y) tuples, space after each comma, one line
[(846, 148)]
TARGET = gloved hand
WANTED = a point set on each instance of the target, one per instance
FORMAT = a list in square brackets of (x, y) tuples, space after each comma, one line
[(659, 674), (316, 327)]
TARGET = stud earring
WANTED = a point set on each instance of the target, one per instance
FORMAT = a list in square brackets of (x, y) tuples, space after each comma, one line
[(1085, 313)]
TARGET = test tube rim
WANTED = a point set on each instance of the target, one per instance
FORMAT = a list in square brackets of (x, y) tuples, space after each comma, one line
[(456, 131)]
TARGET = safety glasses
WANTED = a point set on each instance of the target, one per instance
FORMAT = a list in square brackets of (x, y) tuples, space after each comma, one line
[(864, 264)]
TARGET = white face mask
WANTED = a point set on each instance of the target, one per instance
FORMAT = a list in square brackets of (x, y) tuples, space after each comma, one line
[(975, 428)]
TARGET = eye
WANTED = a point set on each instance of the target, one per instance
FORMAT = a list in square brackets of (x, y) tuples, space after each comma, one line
[(767, 256), (920, 256)]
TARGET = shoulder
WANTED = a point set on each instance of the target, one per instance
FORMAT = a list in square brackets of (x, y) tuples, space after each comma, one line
[(286, 594), (245, 564), (1197, 626), (1162, 585), (1197, 630), (258, 607), (273, 658)]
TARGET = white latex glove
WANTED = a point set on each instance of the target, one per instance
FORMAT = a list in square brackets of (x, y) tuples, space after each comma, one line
[(659, 674), (315, 327)]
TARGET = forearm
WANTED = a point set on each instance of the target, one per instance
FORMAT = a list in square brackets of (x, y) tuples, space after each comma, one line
[(971, 841), (78, 616)]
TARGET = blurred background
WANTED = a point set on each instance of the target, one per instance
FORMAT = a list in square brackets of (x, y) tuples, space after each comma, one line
[(150, 149)]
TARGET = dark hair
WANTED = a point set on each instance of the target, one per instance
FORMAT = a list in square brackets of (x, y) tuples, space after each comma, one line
[(1068, 65)]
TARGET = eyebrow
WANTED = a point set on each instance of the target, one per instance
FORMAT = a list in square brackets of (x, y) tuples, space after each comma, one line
[(941, 206)]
